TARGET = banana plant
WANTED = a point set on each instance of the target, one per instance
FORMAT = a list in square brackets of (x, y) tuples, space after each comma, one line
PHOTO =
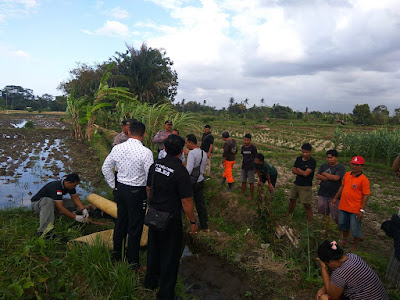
[(103, 93)]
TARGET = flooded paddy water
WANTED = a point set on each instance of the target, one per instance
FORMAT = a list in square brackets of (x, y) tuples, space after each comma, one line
[(30, 158)]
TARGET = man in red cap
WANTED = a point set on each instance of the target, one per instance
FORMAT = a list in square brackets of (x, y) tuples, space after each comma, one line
[(353, 194)]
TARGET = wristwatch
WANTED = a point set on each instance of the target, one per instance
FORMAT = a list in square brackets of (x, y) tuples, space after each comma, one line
[(362, 210), (193, 222)]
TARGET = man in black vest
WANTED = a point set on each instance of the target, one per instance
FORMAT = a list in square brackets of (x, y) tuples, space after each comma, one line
[(170, 189)]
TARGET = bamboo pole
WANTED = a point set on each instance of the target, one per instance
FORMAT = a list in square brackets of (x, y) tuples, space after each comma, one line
[(110, 208)]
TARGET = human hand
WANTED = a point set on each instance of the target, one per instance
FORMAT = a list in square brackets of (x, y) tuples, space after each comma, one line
[(322, 264), (85, 213), (259, 183), (271, 187), (80, 218), (208, 155), (334, 200), (320, 292), (193, 228), (360, 215)]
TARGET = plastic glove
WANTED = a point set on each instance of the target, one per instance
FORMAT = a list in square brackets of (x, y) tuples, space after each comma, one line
[(85, 213), (80, 218)]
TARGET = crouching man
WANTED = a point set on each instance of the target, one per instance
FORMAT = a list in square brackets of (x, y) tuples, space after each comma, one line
[(50, 199)]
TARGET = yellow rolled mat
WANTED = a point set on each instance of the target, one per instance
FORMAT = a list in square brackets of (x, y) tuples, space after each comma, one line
[(110, 208)]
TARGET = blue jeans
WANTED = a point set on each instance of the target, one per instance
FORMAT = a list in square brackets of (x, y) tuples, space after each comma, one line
[(348, 221)]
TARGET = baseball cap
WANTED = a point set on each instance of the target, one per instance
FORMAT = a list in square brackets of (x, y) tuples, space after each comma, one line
[(357, 160)]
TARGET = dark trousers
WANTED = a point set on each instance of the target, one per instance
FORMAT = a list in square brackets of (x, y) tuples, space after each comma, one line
[(130, 218), (163, 255), (198, 196)]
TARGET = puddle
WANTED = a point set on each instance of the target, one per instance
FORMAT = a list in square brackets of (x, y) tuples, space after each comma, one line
[(210, 278), (29, 160)]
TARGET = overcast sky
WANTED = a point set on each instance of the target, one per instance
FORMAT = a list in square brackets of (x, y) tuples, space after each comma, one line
[(327, 55)]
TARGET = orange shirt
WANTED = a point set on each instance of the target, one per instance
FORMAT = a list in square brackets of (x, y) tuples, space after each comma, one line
[(354, 187)]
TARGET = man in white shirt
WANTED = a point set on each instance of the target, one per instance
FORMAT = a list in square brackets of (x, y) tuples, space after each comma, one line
[(196, 165), (132, 160)]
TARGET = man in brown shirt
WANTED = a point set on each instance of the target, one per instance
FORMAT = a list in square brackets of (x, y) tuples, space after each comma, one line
[(228, 158), (123, 135)]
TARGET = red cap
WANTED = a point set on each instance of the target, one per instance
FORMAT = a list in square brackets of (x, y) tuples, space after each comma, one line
[(357, 160)]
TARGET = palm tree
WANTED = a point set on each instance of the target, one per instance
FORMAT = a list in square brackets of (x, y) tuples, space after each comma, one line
[(246, 101), (262, 101), (231, 101)]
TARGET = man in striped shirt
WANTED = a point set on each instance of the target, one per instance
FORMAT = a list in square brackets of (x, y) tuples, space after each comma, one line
[(132, 160)]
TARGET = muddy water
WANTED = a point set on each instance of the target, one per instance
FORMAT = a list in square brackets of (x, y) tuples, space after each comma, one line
[(210, 278), (31, 158)]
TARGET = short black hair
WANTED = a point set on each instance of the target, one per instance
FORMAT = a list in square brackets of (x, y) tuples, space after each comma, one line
[(247, 136), (225, 134), (73, 177), (332, 152), (260, 157), (207, 126), (137, 128), (306, 146), (175, 130), (327, 253), (174, 144), (192, 138)]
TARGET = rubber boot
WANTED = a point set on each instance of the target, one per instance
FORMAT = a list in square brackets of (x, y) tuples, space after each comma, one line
[(230, 186)]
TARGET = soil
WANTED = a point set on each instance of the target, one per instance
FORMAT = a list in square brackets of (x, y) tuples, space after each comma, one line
[(29, 158)]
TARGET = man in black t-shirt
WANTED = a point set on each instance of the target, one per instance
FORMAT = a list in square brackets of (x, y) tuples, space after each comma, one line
[(50, 198), (207, 145), (303, 168), (249, 152), (331, 175), (170, 189)]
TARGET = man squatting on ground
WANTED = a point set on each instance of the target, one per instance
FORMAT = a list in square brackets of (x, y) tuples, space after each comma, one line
[(228, 159), (249, 152), (331, 175), (353, 194), (171, 191), (196, 163), (132, 160), (207, 145), (50, 198), (303, 168), (265, 172), (162, 135)]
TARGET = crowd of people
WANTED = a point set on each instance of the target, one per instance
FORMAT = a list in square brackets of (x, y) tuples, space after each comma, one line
[(174, 184)]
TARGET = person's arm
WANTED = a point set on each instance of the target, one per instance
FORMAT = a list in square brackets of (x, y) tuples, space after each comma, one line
[(331, 290), (108, 170), (159, 137), (294, 171), (60, 207), (190, 163), (78, 202), (337, 196), (364, 201), (188, 208), (331, 177), (210, 150), (305, 173), (396, 165), (321, 177), (260, 183)]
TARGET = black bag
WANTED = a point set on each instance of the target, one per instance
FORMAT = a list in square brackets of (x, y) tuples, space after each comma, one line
[(196, 171), (157, 219)]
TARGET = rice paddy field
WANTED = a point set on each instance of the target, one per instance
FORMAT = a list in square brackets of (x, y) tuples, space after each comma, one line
[(253, 250)]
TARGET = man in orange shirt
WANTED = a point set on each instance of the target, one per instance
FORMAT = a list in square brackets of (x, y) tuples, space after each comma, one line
[(353, 194)]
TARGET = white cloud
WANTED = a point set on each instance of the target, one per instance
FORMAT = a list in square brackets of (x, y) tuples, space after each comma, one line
[(119, 13), (112, 29), (21, 53)]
